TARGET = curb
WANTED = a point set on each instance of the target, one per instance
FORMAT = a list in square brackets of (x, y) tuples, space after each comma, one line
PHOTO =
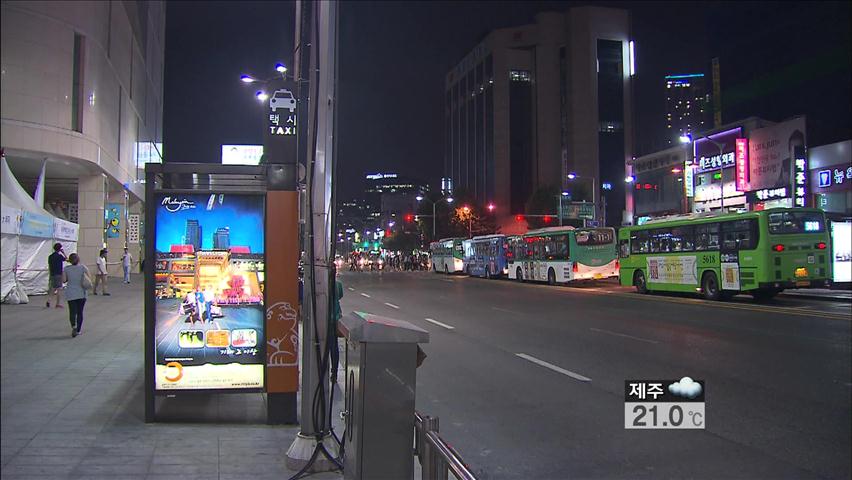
[(816, 297)]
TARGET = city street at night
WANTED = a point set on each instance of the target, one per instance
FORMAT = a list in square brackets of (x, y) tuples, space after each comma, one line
[(528, 379)]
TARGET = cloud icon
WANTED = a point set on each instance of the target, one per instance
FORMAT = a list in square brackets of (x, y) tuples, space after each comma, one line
[(686, 387)]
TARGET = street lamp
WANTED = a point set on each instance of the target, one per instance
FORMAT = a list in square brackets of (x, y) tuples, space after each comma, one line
[(564, 194), (572, 176), (420, 198)]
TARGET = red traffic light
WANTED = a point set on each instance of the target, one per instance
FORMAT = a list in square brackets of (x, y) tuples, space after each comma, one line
[(409, 217), (547, 219), (519, 218)]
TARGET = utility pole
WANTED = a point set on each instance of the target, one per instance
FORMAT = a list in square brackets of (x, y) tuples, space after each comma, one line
[(314, 449)]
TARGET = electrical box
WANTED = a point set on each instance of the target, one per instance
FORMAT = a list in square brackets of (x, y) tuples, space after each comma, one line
[(381, 363)]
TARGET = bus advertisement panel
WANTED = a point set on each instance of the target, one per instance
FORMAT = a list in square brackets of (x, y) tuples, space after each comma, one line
[(209, 313)]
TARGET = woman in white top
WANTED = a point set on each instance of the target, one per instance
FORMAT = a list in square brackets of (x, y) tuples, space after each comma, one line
[(76, 278)]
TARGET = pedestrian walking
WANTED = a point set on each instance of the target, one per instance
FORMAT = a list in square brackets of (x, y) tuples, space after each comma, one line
[(101, 276), (77, 280), (126, 261), (332, 327), (55, 263)]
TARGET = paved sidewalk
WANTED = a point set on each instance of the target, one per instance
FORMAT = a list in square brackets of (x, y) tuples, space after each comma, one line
[(74, 407)]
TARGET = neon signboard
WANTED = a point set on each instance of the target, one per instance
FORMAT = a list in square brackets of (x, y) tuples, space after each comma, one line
[(742, 164), (800, 179)]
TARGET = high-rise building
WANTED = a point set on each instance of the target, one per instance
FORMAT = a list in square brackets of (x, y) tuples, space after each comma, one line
[(687, 106), (193, 234), (545, 104), (222, 238), (82, 93)]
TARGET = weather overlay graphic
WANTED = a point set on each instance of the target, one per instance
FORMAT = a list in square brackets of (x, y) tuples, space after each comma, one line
[(209, 280), (664, 404)]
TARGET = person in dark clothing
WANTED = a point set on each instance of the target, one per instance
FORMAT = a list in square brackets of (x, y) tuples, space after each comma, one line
[(55, 262), (336, 313)]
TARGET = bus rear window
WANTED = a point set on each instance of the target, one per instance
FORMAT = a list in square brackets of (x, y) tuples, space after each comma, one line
[(796, 222), (594, 237)]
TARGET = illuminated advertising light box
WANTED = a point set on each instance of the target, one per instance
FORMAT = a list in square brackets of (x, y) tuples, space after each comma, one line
[(841, 251), (241, 154), (209, 310)]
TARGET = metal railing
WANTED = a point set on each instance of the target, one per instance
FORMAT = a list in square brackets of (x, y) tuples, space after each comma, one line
[(437, 457)]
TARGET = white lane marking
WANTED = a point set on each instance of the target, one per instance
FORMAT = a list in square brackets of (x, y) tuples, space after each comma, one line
[(448, 327), (365, 295), (575, 376), (506, 310), (623, 335), (391, 305), (351, 289), (445, 280)]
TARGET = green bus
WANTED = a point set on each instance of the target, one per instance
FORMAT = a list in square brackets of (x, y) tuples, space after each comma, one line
[(720, 255), (447, 255), (562, 255)]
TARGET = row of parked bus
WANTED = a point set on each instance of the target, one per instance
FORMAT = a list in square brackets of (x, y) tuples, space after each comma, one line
[(718, 255)]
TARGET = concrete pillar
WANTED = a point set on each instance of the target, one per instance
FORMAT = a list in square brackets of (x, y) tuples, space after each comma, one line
[(116, 245), (91, 199)]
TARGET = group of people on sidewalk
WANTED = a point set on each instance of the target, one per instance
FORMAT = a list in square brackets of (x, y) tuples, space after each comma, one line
[(75, 281)]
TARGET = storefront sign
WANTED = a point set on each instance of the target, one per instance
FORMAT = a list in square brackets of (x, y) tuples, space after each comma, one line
[(209, 326), (679, 270), (800, 180), (688, 179), (841, 251), (837, 176), (768, 194), (742, 164), (771, 152), (36, 225), (716, 151)]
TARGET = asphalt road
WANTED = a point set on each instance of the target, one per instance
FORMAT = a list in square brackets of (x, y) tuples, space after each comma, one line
[(778, 380)]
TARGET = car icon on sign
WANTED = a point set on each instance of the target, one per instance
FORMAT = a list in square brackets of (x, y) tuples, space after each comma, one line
[(282, 99)]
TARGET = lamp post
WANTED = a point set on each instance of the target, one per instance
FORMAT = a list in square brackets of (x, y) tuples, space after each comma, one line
[(467, 212), (420, 198), (561, 196), (572, 176)]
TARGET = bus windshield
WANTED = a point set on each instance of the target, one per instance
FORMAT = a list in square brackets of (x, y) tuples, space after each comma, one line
[(796, 222)]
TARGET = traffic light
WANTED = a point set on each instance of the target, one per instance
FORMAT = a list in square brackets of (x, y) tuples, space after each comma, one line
[(409, 217), (547, 219), (519, 218)]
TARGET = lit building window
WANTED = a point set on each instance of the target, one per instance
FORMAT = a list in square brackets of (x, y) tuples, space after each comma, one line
[(519, 75)]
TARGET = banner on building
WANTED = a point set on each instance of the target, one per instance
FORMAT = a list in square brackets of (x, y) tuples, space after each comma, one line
[(770, 152), (113, 220)]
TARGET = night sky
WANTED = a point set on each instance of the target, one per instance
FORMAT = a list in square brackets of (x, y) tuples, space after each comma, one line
[(777, 60)]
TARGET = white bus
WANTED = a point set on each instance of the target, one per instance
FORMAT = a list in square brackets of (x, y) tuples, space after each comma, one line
[(447, 255), (563, 254)]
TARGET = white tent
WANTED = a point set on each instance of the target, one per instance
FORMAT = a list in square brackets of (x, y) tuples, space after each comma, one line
[(28, 234)]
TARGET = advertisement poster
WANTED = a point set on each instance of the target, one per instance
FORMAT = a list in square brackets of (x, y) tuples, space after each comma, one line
[(209, 281), (841, 251), (679, 270), (113, 220), (730, 276), (770, 151)]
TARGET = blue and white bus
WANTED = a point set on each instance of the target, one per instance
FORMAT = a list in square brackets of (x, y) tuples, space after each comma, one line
[(485, 256)]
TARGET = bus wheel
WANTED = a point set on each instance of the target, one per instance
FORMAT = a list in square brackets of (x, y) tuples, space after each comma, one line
[(519, 276), (551, 277), (762, 295), (639, 282), (710, 286)]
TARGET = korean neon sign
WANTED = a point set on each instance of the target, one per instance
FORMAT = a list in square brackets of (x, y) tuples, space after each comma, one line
[(742, 164), (800, 179)]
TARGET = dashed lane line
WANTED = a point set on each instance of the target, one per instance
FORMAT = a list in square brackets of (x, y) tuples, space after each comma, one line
[(392, 305), (448, 327), (575, 376)]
